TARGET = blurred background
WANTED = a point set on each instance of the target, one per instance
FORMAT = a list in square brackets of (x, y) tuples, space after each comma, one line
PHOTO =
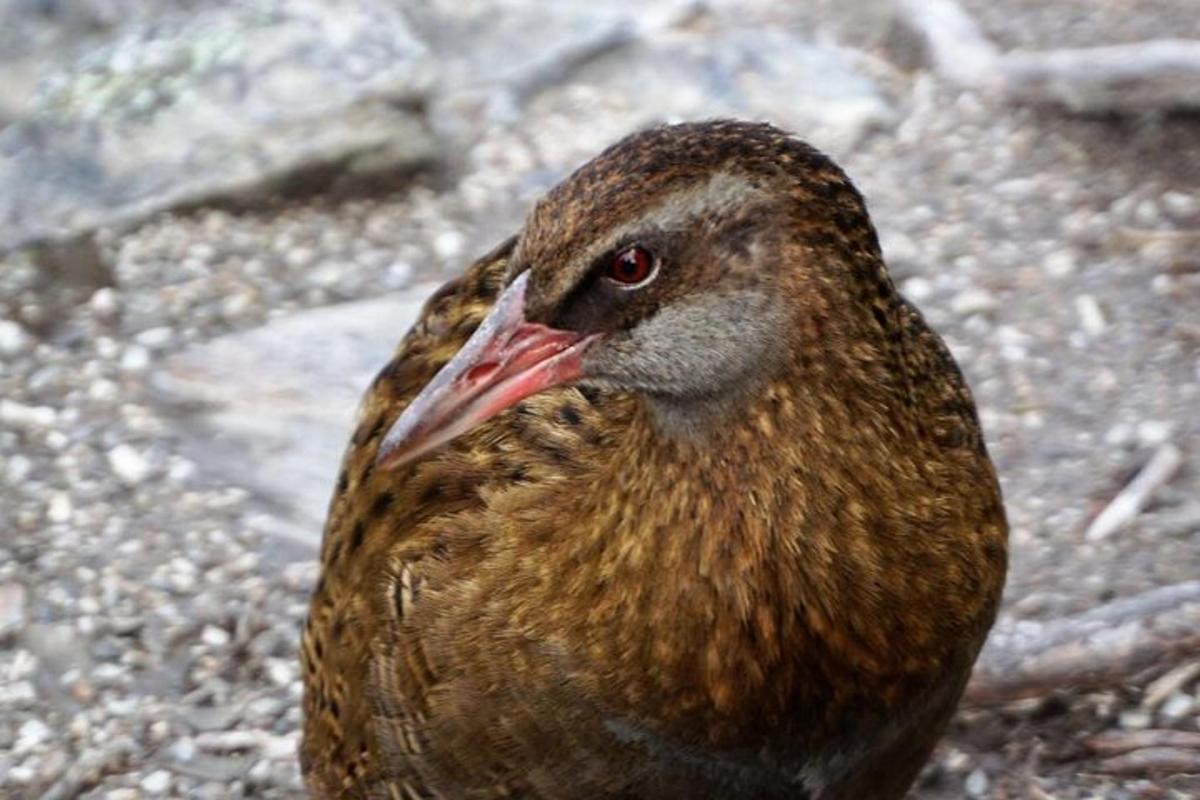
[(217, 218)]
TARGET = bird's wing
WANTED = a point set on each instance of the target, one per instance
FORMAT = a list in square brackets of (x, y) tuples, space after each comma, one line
[(372, 550), (390, 705)]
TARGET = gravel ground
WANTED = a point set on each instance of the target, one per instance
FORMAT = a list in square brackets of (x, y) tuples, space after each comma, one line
[(1036, 24), (148, 633)]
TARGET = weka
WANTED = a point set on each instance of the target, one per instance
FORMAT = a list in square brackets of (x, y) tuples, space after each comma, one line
[(670, 496)]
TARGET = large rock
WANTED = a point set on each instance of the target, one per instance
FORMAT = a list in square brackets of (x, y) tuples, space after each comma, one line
[(816, 90), (35, 33), (600, 70), (271, 409), (218, 102), (526, 116), (515, 47)]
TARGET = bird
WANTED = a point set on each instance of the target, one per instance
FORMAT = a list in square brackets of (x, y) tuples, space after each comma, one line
[(670, 495)]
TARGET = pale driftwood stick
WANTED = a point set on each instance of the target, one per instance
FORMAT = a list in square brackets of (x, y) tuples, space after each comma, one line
[(1115, 743), (1145, 76), (1101, 647), (1158, 690), (1137, 237), (1142, 76), (1130, 501), (1152, 761), (552, 66), (956, 48)]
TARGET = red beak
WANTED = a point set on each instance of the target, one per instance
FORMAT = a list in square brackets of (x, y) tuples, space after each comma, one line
[(506, 360)]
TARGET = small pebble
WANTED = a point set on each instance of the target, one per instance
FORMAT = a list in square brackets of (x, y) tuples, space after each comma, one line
[(105, 302), (237, 305), (60, 508), (135, 359), (279, 671), (260, 772), (155, 338), (183, 749), (976, 784), (157, 782), (103, 391), (399, 274), (899, 248), (1135, 719), (449, 245), (917, 289), (31, 734), (1181, 206), (26, 417), (22, 774), (128, 464), (1119, 435), (299, 257), (973, 301), (13, 338), (214, 636), (1178, 706), (17, 469), (1154, 432), (1059, 264), (180, 469), (1091, 317), (12, 609)]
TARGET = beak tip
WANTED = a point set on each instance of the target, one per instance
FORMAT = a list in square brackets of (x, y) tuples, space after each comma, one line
[(392, 450), (504, 360), (385, 458)]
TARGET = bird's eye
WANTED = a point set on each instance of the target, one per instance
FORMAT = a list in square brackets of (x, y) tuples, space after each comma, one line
[(631, 267)]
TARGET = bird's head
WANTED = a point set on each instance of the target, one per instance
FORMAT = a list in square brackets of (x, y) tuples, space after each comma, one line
[(674, 265)]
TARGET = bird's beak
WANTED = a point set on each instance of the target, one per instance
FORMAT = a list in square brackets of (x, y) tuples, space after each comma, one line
[(506, 360)]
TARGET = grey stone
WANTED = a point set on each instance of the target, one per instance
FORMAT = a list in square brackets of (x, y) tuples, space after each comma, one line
[(32, 733), (642, 63), (271, 408), (25, 417), (974, 301), (12, 609), (220, 102), (157, 782), (211, 718), (13, 338), (128, 464), (976, 784), (816, 91), (1178, 706), (486, 44), (34, 33)]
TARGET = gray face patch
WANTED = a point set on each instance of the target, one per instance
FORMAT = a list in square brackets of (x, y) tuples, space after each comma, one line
[(698, 354), (698, 358)]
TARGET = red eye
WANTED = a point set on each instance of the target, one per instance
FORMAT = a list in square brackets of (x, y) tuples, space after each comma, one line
[(631, 266)]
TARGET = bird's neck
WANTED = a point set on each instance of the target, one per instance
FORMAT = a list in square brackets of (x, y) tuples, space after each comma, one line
[(686, 559)]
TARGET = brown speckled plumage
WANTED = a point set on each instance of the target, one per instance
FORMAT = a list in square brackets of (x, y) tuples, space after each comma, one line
[(582, 598)]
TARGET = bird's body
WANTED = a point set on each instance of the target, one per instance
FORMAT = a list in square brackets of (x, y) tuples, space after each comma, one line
[(749, 547)]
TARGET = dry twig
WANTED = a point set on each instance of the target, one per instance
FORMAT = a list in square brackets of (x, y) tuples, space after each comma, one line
[(1114, 743), (1152, 761), (1126, 78), (1158, 690), (1143, 76), (1125, 507), (1102, 647)]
